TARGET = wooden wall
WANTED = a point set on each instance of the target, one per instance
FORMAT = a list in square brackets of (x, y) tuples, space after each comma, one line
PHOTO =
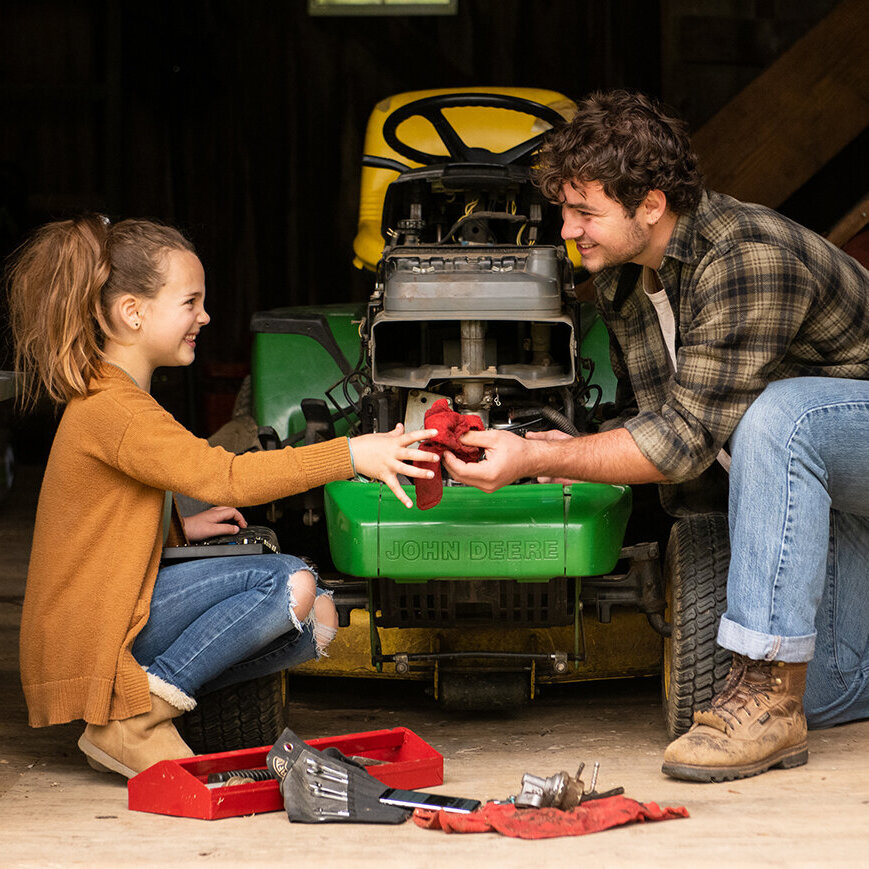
[(242, 122)]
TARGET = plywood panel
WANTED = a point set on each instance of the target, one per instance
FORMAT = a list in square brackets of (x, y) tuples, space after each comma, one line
[(777, 132)]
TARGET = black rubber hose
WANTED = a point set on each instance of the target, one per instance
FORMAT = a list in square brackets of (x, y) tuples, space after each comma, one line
[(550, 414)]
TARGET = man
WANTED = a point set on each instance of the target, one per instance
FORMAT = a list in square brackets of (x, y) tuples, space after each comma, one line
[(741, 334)]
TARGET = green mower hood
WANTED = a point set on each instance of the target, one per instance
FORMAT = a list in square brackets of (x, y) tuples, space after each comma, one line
[(527, 532)]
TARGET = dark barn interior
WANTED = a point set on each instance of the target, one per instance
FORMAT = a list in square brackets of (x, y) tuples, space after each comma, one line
[(242, 123)]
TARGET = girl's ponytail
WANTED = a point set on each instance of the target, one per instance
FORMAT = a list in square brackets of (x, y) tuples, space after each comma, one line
[(61, 284)]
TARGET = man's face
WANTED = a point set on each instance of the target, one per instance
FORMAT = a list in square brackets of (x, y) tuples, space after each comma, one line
[(601, 228)]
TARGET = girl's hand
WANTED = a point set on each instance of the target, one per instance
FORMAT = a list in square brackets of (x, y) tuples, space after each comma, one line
[(213, 522), (386, 455)]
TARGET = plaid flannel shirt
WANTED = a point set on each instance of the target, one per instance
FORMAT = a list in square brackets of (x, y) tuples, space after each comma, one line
[(756, 298)]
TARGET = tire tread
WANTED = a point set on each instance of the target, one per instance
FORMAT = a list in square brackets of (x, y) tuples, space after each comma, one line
[(696, 564), (244, 715)]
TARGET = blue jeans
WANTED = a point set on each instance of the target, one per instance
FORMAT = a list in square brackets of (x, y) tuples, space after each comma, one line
[(217, 621), (798, 587)]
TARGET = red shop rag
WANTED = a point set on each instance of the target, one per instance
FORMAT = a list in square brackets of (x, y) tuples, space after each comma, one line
[(451, 427), (505, 818)]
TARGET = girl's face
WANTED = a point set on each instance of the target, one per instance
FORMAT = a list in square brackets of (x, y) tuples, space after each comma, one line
[(171, 320)]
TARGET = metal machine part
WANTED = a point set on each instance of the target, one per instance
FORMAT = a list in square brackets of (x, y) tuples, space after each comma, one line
[(560, 791), (472, 320)]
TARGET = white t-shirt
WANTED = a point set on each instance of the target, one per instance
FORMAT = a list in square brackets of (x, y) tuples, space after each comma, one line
[(657, 295)]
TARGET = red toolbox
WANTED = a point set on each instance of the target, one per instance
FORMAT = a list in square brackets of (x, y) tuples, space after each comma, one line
[(180, 787)]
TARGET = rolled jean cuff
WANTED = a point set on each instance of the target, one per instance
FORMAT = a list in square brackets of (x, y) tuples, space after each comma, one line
[(765, 647)]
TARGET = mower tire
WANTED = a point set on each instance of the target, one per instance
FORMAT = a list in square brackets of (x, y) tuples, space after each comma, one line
[(243, 715), (695, 572)]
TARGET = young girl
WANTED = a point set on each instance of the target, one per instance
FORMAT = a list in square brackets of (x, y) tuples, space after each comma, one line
[(106, 634)]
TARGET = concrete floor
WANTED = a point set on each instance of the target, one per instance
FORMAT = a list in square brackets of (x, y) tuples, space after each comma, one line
[(55, 811)]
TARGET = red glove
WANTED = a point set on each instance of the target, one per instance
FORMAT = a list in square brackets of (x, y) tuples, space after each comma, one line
[(590, 817), (451, 426)]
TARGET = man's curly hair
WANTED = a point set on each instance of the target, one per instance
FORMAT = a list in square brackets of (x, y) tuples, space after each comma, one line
[(630, 145)]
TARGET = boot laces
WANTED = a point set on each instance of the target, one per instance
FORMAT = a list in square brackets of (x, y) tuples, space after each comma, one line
[(741, 690)]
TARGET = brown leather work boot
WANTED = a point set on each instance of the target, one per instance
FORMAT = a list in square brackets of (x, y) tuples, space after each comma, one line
[(755, 723)]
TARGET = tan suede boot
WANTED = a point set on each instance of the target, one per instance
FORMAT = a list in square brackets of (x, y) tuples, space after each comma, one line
[(755, 723), (131, 745)]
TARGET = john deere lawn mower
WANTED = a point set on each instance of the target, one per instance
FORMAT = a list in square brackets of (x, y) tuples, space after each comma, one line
[(486, 598)]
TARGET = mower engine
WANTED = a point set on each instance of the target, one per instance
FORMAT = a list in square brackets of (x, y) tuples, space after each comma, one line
[(491, 329)]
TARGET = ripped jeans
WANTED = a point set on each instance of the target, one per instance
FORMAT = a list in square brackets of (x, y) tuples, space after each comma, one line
[(217, 621)]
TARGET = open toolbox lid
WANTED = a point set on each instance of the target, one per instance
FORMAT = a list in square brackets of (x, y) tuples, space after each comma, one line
[(181, 788)]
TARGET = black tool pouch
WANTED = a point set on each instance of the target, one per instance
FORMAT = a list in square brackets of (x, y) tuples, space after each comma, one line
[(319, 787)]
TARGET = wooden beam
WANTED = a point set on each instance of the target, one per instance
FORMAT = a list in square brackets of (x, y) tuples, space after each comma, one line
[(796, 115), (846, 228)]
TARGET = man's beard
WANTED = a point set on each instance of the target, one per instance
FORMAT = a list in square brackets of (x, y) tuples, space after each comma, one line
[(634, 244)]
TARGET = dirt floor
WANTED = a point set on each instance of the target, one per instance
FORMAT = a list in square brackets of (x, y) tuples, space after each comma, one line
[(55, 811)]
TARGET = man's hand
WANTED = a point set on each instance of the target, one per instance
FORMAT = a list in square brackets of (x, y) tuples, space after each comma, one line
[(608, 457), (386, 455), (508, 458), (212, 523)]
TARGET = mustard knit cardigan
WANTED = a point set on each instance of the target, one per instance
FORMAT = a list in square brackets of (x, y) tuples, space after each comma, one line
[(98, 538)]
